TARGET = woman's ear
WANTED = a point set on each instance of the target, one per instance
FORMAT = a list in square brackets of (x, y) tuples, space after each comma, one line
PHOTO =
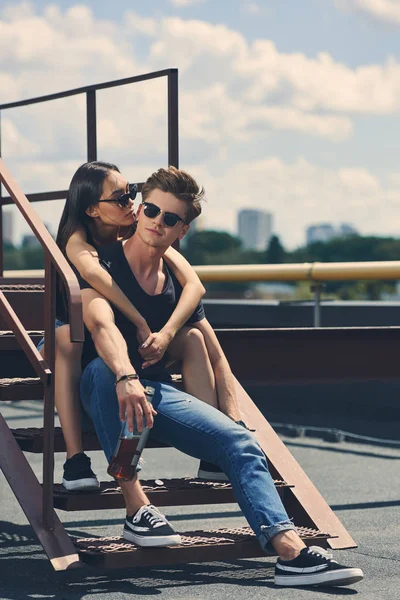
[(92, 211)]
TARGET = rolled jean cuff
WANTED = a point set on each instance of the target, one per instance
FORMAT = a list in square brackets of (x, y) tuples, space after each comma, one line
[(267, 532)]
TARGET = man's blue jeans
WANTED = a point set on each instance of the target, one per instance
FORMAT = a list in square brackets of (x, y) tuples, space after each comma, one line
[(198, 430)]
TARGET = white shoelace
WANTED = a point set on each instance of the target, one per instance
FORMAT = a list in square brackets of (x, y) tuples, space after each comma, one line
[(153, 515), (321, 552)]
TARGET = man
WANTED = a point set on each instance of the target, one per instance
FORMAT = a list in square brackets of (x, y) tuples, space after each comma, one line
[(112, 386)]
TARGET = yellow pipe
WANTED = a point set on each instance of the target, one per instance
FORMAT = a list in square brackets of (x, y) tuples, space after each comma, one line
[(355, 271), (301, 272), (347, 271)]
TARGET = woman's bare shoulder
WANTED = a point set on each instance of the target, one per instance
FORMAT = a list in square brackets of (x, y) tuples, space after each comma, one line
[(79, 235)]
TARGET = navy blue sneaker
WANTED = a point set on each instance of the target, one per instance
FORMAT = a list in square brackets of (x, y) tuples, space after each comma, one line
[(78, 476), (314, 566), (150, 528)]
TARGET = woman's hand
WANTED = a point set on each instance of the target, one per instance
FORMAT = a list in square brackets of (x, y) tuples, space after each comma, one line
[(153, 349)]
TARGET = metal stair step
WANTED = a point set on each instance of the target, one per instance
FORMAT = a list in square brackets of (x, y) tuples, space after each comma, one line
[(196, 546), (165, 492), (30, 439), (27, 299), (13, 362), (20, 388)]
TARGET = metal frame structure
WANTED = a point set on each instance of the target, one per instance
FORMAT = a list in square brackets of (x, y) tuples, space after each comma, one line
[(91, 129), (37, 503)]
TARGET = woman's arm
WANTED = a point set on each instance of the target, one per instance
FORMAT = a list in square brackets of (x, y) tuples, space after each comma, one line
[(192, 292), (85, 258)]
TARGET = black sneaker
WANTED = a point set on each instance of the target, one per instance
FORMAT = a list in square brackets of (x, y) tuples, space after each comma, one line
[(78, 476), (314, 566), (148, 527), (209, 472)]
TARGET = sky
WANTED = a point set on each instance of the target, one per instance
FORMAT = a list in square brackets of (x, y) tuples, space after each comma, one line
[(290, 106)]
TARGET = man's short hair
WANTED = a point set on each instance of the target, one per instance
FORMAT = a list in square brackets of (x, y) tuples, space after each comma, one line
[(181, 185)]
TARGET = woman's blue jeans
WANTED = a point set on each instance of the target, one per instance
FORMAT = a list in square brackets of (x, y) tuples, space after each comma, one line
[(198, 430)]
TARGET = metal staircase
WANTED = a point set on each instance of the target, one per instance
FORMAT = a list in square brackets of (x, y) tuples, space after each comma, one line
[(315, 520)]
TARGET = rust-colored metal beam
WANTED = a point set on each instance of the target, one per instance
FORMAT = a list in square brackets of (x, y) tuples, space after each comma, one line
[(307, 506), (23, 482), (50, 247), (37, 362), (48, 408)]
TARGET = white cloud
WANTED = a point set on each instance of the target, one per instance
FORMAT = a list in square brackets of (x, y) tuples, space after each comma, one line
[(231, 92), (300, 193), (386, 11), (185, 3), (15, 142)]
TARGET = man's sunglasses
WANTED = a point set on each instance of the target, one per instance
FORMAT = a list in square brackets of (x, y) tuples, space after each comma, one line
[(124, 200), (170, 219)]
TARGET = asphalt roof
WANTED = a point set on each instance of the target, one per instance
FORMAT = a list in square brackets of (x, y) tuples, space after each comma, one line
[(360, 481)]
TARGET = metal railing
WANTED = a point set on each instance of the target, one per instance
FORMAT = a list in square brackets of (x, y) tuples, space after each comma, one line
[(54, 261), (316, 273), (91, 129)]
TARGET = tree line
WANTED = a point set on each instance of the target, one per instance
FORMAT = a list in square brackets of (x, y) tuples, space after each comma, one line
[(215, 247)]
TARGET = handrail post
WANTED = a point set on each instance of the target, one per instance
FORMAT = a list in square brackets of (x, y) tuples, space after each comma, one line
[(48, 411), (1, 220), (317, 288), (1, 240), (173, 123), (91, 130)]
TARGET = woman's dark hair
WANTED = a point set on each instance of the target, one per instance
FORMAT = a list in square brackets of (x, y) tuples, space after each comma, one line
[(84, 191)]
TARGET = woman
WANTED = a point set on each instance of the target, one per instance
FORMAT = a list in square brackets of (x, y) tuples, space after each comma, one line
[(99, 210)]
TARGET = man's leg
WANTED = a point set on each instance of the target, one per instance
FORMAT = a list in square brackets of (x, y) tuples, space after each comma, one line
[(144, 525), (203, 432)]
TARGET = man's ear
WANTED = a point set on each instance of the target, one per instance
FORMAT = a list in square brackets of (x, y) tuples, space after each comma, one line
[(138, 211), (184, 231), (92, 211)]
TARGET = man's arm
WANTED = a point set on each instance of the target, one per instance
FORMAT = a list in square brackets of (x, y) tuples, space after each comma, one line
[(111, 347), (223, 375)]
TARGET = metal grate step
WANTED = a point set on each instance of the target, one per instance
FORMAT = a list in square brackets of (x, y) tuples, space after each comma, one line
[(30, 439), (165, 492), (20, 388), (197, 546)]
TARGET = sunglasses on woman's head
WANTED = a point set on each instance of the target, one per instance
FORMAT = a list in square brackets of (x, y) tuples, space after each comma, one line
[(124, 200), (170, 219)]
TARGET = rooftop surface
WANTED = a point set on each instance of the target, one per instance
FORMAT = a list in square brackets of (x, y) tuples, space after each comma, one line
[(361, 482)]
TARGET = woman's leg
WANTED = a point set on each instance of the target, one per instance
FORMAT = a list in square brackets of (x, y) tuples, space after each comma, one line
[(189, 348), (68, 373)]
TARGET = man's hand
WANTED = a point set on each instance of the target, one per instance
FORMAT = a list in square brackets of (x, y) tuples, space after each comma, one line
[(154, 347), (132, 401)]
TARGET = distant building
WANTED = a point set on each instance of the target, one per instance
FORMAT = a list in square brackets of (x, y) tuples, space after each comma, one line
[(347, 229), (320, 233), (323, 232), (8, 227), (254, 228)]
